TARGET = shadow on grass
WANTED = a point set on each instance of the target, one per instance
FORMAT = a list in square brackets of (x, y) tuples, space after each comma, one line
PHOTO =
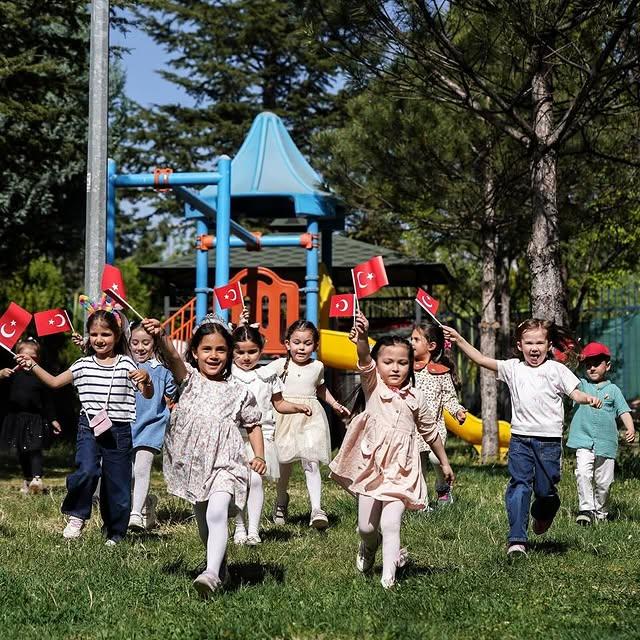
[(175, 516), (303, 519), (276, 535), (549, 547), (413, 569), (6, 531)]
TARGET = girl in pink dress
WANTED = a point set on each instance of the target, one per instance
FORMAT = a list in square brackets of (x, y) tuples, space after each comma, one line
[(379, 460)]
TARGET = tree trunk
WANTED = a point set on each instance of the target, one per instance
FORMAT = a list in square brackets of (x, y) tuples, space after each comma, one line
[(504, 348), (548, 298), (488, 325)]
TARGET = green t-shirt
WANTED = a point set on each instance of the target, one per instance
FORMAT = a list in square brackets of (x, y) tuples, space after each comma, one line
[(596, 429)]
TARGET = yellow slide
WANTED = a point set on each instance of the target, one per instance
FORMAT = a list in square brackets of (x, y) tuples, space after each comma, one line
[(471, 431)]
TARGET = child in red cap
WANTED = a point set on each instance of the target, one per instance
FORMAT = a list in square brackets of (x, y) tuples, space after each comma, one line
[(594, 434)]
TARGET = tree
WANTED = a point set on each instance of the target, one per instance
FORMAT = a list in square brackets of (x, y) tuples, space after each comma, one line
[(539, 72)]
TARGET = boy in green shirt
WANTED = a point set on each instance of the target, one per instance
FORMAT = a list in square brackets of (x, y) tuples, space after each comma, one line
[(594, 434)]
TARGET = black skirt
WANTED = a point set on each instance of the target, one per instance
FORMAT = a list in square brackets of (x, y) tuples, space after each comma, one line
[(25, 432)]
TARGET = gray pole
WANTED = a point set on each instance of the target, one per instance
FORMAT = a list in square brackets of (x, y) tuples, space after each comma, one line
[(95, 233)]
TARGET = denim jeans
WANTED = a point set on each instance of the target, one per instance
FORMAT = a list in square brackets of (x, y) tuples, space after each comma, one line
[(108, 457), (534, 467)]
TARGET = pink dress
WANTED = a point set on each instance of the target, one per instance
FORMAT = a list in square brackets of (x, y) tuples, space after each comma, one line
[(379, 456)]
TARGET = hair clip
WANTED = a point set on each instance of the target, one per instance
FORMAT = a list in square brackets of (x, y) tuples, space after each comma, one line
[(103, 303), (214, 318), (254, 325)]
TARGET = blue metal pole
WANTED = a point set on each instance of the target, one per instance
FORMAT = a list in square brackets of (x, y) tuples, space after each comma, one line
[(287, 240), (170, 180), (223, 227), (110, 249), (202, 269), (312, 275)]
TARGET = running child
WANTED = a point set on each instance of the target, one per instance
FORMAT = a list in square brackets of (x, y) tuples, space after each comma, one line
[(30, 416), (106, 380), (302, 436), (594, 434), (536, 385), (379, 460), (148, 429), (205, 460), (266, 386), (434, 374)]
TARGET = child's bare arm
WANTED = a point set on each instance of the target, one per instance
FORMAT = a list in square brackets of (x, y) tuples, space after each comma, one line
[(438, 449), (630, 432), (583, 398), (284, 406), (326, 395), (173, 359), (54, 382), (359, 335), (469, 350), (258, 464)]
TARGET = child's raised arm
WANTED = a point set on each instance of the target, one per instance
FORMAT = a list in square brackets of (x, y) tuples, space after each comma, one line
[(173, 359), (359, 335), (54, 382), (469, 350)]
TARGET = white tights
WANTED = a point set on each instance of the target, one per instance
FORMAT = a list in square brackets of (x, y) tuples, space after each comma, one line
[(255, 500), (387, 516), (212, 516), (312, 477), (142, 463)]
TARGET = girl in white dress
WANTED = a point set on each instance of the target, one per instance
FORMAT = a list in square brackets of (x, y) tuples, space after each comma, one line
[(266, 386), (301, 436)]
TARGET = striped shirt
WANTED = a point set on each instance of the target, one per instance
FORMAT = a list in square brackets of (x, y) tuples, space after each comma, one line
[(92, 381)]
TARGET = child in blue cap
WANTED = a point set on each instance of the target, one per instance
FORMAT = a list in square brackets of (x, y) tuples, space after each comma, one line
[(594, 434)]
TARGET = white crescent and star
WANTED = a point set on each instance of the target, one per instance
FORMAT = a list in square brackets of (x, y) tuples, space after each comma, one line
[(62, 320), (424, 301), (339, 306), (366, 284), (3, 330), (227, 296)]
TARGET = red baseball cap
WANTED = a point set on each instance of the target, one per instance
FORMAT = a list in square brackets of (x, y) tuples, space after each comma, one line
[(595, 349)]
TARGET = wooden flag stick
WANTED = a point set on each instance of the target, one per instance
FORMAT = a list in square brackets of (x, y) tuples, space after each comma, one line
[(431, 314), (69, 321), (356, 306), (123, 302)]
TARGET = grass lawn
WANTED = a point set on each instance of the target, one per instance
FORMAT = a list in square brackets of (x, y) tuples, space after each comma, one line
[(576, 583)]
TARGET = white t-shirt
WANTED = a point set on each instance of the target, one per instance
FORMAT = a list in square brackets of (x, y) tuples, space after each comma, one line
[(536, 395)]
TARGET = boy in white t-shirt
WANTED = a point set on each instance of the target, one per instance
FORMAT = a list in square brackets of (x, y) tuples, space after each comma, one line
[(536, 385)]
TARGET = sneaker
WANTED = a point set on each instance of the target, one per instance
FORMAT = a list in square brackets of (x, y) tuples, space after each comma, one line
[(253, 539), (584, 518), (240, 536), (36, 486), (150, 517), (516, 550), (365, 558), (445, 497), (24, 489), (388, 583), (74, 528), (318, 520), (207, 583), (540, 526), (110, 543), (281, 511), (136, 522)]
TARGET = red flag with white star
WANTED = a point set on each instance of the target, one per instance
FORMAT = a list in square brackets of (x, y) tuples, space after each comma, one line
[(229, 295), (369, 276), (427, 302), (12, 324), (112, 283), (51, 321), (342, 305)]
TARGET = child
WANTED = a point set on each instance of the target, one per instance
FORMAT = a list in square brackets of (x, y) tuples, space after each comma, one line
[(301, 436), (30, 411), (434, 376), (266, 386), (379, 460), (536, 385), (106, 380), (594, 434), (205, 460), (148, 429)]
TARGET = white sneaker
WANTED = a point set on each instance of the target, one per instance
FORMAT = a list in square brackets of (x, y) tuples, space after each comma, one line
[(280, 512), (36, 486), (207, 583), (253, 539), (318, 519), (24, 489), (74, 528), (136, 522), (388, 583), (110, 543), (149, 515), (240, 536)]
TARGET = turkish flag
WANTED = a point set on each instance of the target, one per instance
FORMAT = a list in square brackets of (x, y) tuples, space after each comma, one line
[(369, 276), (342, 305), (51, 321), (428, 303), (112, 283), (229, 295), (12, 324)]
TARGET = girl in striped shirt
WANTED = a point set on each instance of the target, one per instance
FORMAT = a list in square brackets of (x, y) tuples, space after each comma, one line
[(106, 380)]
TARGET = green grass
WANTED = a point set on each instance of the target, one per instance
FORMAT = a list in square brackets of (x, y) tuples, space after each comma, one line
[(576, 583)]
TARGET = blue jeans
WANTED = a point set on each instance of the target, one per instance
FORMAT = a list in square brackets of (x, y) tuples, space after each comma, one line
[(534, 466), (108, 456)]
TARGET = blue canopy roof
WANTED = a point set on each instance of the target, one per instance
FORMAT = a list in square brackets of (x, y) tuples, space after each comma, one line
[(270, 178)]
